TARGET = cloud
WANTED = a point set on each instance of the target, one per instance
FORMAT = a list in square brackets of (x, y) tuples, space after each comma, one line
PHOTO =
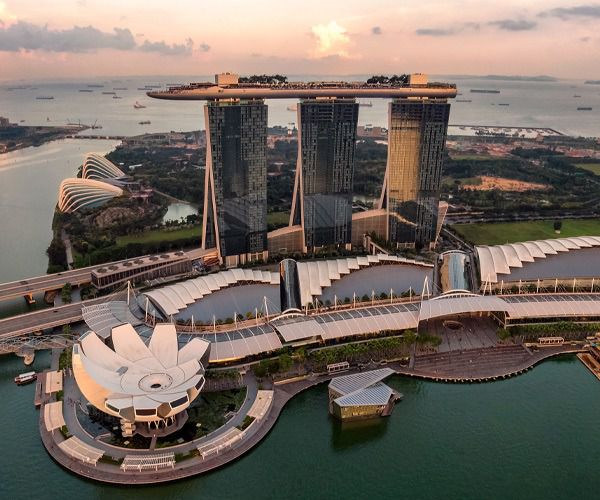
[(27, 36), (435, 31), (514, 24), (332, 39), (175, 49), (576, 11), (454, 30), (376, 30)]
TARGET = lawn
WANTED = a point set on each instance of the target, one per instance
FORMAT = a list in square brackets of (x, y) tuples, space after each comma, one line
[(159, 235), (592, 167), (278, 218), (510, 232)]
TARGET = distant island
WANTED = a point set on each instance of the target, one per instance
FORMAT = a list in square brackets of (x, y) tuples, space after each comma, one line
[(517, 78), (592, 82)]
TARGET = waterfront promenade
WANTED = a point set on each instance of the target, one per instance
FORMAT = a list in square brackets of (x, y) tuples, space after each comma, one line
[(477, 365)]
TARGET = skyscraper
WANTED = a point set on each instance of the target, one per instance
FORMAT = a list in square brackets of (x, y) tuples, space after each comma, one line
[(235, 197), (322, 201), (416, 141)]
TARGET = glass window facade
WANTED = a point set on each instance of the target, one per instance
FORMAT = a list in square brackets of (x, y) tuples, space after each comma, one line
[(238, 163), (327, 150), (417, 137)]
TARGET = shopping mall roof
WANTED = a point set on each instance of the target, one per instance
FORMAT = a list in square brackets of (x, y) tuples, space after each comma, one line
[(499, 259), (172, 299)]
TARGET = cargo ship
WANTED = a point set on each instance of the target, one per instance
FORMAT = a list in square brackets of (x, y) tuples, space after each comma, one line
[(484, 91)]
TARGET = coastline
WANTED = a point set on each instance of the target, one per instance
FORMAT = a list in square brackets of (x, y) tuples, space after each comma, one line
[(34, 136), (284, 391)]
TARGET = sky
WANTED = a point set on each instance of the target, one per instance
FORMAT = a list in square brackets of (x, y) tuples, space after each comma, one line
[(87, 38)]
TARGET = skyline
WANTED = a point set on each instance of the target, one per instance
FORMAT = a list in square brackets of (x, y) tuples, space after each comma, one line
[(87, 38)]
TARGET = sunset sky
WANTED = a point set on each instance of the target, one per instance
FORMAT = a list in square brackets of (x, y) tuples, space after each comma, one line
[(69, 38)]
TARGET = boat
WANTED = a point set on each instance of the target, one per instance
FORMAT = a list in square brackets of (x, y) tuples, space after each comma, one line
[(576, 95), (484, 91), (366, 104), (137, 105), (293, 107), (25, 378), (119, 88), (108, 93), (117, 97), (503, 104), (45, 97), (464, 100), (584, 108), (85, 90), (145, 122), (95, 86)]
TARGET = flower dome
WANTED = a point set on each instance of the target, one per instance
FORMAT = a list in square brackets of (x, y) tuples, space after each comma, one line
[(139, 382)]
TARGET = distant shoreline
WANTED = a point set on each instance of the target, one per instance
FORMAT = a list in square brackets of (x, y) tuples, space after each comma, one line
[(16, 137)]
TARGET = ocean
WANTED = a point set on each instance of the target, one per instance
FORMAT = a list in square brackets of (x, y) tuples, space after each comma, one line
[(531, 104)]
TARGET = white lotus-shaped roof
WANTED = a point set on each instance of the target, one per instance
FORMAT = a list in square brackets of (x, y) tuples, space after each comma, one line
[(140, 382)]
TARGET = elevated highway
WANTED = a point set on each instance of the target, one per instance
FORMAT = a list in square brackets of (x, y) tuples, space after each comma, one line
[(77, 277)]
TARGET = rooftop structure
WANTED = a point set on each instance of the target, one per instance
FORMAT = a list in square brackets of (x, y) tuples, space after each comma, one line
[(75, 194), (227, 87), (96, 166), (454, 272), (308, 282), (496, 262), (361, 395), (140, 269), (138, 382)]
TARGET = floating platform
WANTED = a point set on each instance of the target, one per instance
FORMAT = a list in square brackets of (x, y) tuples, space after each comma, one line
[(590, 362)]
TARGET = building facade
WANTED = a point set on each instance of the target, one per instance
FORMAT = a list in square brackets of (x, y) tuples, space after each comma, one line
[(322, 200), (235, 198), (416, 140)]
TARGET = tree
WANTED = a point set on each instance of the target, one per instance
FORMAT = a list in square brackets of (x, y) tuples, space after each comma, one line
[(557, 225)]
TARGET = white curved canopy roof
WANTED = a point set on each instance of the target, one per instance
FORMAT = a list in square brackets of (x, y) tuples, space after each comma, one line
[(498, 259), (316, 275), (172, 299), (135, 381), (75, 194), (96, 166)]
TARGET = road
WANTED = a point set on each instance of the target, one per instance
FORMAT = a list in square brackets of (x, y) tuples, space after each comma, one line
[(46, 318), (76, 277)]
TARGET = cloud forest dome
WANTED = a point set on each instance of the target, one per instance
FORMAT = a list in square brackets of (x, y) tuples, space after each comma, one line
[(75, 194), (139, 382)]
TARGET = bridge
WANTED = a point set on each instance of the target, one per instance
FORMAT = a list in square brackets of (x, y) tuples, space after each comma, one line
[(34, 322)]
